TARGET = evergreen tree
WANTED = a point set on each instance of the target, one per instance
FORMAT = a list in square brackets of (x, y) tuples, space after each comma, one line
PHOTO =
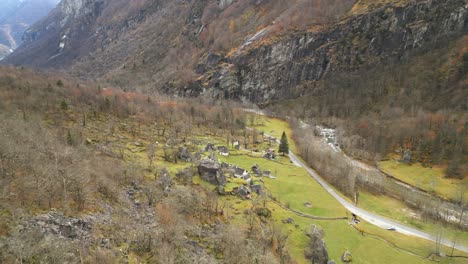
[(64, 105), (284, 146)]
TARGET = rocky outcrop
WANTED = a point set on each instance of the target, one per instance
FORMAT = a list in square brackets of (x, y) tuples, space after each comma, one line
[(279, 70), (210, 171), (59, 225), (316, 250), (124, 40)]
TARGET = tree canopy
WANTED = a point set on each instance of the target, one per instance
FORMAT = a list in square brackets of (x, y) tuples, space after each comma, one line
[(284, 146)]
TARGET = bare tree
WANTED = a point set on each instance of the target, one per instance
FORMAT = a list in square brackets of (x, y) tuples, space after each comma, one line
[(151, 154)]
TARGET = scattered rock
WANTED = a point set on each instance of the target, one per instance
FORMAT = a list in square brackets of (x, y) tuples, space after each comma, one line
[(185, 175), (220, 190), (347, 257), (289, 220), (55, 223), (212, 156), (264, 212), (197, 156), (308, 205), (165, 182), (184, 154)]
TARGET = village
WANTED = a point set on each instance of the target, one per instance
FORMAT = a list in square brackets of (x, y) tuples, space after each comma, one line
[(219, 173)]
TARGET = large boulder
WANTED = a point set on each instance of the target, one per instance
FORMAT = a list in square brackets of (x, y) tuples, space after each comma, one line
[(210, 171), (316, 250)]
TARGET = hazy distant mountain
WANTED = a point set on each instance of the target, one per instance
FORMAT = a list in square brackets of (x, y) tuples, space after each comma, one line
[(16, 16)]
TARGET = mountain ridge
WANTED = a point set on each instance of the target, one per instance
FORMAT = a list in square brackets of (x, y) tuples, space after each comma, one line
[(16, 17), (255, 62)]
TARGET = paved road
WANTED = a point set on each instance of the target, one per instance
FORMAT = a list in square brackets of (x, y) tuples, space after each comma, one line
[(372, 218), (369, 217)]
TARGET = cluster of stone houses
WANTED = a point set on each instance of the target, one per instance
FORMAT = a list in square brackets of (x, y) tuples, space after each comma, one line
[(245, 191), (212, 171), (215, 173), (222, 150), (270, 154)]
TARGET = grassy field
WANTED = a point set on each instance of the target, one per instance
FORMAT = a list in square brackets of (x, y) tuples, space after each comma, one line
[(397, 210), (292, 187), (429, 179), (274, 127)]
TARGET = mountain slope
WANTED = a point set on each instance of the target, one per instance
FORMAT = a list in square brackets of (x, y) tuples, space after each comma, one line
[(282, 69), (16, 16), (155, 38), (250, 51)]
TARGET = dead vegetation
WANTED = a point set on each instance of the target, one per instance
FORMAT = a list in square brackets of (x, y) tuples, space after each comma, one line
[(74, 191)]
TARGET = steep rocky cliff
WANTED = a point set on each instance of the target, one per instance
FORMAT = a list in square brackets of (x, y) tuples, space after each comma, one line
[(286, 68), (233, 49)]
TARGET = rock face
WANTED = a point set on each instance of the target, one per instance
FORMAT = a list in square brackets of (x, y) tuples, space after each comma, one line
[(103, 38), (279, 70), (210, 171), (317, 250), (57, 224)]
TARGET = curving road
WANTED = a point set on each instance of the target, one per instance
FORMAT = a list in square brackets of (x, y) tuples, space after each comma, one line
[(372, 218), (369, 217)]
